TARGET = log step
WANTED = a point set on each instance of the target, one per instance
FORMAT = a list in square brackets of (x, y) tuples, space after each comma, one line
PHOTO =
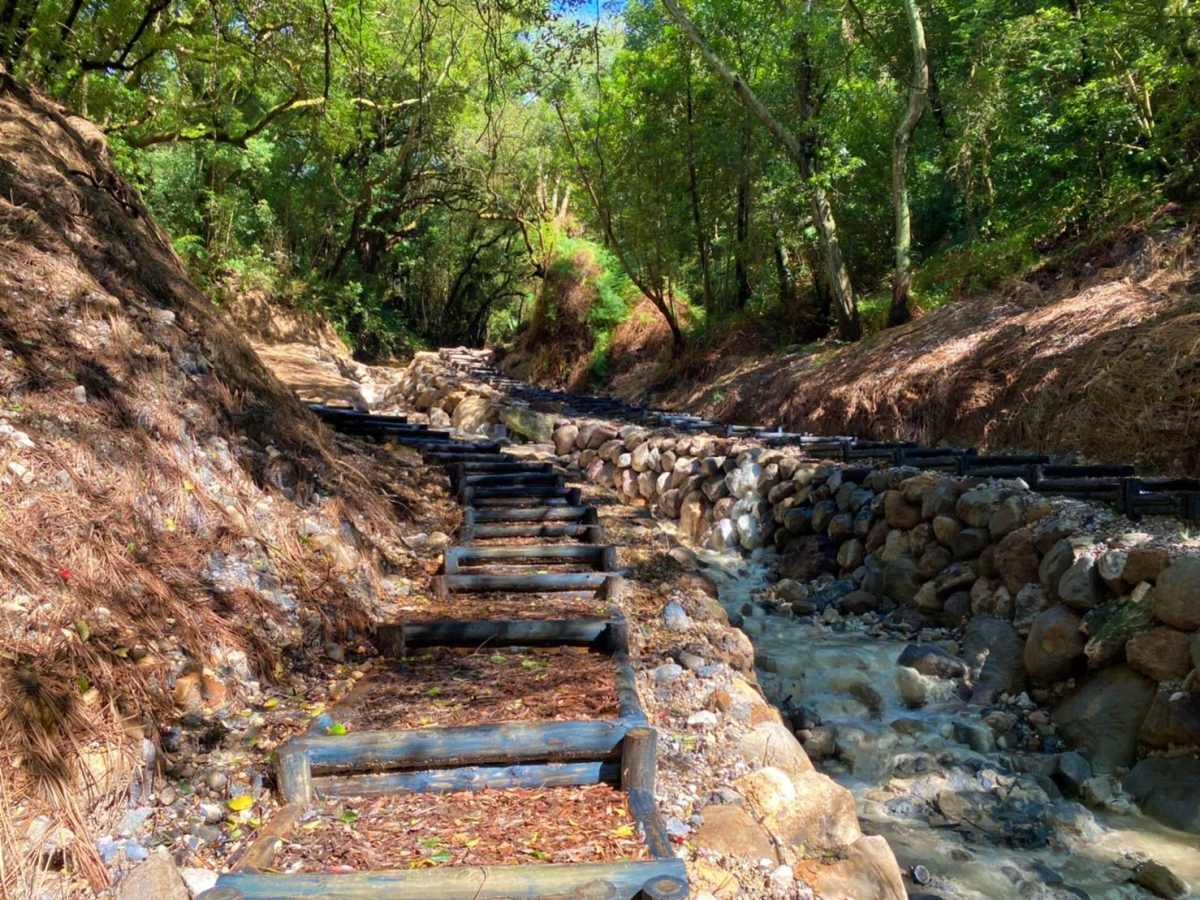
[(470, 778), (600, 557), (581, 584), (540, 513), (660, 879), (534, 530), (507, 479), (445, 447), (531, 502), (456, 457), (471, 493), (395, 639)]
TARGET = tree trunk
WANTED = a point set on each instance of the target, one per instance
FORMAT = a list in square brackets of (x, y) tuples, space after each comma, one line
[(694, 190), (741, 269), (899, 312), (803, 155)]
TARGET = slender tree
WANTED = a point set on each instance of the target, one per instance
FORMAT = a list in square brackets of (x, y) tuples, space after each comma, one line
[(918, 95), (803, 154)]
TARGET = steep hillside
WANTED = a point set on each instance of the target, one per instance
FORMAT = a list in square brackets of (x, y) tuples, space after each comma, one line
[(177, 531), (1095, 352)]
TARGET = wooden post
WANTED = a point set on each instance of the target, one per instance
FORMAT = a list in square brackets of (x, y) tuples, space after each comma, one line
[(294, 773)]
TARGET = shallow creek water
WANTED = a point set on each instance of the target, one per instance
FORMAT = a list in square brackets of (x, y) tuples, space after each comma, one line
[(977, 827)]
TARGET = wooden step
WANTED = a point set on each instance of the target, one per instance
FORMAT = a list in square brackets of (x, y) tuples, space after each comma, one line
[(571, 584), (601, 557), (471, 493), (568, 501), (585, 533), (535, 513), (506, 479)]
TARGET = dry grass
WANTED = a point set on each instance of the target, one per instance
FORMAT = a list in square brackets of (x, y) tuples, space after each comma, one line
[(1098, 354), (163, 455)]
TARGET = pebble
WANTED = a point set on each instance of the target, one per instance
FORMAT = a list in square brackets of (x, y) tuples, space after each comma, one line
[(133, 820), (674, 617), (198, 880), (667, 673), (217, 780), (135, 852), (783, 877), (703, 719), (212, 813), (167, 796)]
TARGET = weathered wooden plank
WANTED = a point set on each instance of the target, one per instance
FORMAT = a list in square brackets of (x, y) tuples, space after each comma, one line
[(540, 513), (470, 778), (464, 745), (599, 556), (584, 532), (661, 879), (638, 766), (394, 638), (470, 492), (628, 702), (548, 583), (567, 500), (505, 479)]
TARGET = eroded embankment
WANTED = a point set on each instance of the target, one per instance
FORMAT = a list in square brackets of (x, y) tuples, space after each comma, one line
[(1052, 643)]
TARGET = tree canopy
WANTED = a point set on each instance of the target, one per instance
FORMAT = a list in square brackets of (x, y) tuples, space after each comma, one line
[(412, 168)]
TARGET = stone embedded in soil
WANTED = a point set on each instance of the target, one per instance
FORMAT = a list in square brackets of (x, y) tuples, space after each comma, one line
[(771, 744), (1160, 881), (1161, 653), (994, 648), (155, 879), (1102, 716), (1177, 594), (1172, 720), (1053, 646), (869, 871), (1169, 790), (732, 831), (931, 659)]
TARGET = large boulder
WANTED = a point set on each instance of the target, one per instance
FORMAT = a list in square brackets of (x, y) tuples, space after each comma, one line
[(901, 580), (993, 648), (1172, 720), (868, 871), (771, 744), (931, 659), (731, 831), (1169, 790), (475, 414), (564, 438), (1177, 594), (1161, 653), (806, 558), (899, 513), (1016, 559), (1059, 559), (1080, 586), (535, 426), (976, 506), (822, 818), (1054, 644), (1101, 718)]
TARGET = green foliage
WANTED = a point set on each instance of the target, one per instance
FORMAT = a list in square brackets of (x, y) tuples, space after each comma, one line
[(405, 167)]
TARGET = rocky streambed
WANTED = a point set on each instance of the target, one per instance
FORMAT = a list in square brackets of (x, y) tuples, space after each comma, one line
[(969, 812)]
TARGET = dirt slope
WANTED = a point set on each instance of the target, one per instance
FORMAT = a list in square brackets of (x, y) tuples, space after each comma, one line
[(175, 528), (1097, 354)]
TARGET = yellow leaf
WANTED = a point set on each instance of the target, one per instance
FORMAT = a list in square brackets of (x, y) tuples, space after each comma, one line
[(188, 486), (241, 802), (623, 831), (272, 703)]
